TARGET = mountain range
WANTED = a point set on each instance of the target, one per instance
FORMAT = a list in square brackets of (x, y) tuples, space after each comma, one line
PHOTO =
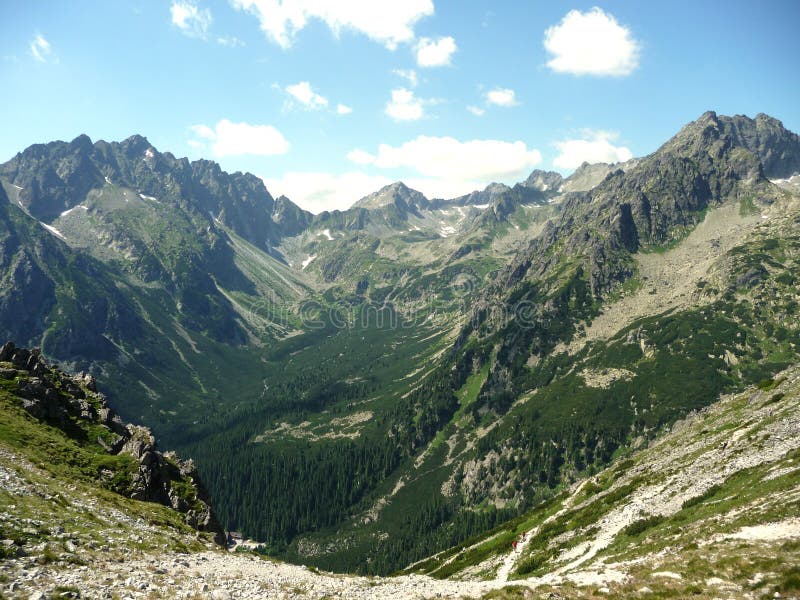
[(363, 389)]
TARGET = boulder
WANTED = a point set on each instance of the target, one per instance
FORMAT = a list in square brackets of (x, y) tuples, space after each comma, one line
[(7, 351)]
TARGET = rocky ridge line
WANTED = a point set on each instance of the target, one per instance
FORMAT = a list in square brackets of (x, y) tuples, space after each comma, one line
[(50, 395)]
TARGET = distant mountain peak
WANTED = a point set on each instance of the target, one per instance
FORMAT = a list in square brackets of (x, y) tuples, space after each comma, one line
[(397, 193)]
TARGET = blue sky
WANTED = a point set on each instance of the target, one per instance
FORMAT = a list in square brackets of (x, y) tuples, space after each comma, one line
[(328, 101)]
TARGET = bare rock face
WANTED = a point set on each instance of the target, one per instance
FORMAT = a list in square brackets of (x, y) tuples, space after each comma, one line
[(51, 395)]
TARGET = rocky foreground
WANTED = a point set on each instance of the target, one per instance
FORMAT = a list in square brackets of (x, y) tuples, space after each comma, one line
[(219, 576)]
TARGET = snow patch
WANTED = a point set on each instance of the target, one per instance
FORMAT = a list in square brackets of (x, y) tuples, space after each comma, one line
[(108, 180), (146, 197), (74, 208), (326, 233), (307, 261), (53, 230), (149, 153), (447, 231), (481, 206)]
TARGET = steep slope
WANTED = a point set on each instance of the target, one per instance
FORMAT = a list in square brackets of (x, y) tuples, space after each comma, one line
[(709, 508), (697, 293), (70, 466)]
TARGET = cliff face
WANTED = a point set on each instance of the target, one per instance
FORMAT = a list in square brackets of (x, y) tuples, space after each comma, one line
[(72, 405)]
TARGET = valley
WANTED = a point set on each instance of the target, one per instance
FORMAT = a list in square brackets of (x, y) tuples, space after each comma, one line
[(410, 384)]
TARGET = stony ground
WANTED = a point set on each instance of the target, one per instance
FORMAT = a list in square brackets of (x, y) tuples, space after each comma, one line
[(216, 575)]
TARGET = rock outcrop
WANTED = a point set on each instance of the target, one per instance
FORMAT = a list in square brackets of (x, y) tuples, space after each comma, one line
[(72, 401)]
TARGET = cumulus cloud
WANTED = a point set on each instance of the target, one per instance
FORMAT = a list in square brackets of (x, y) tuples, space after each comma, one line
[(435, 53), (343, 109), (502, 97), (447, 157), (232, 139), (386, 21), (190, 19), (40, 48), (591, 43), (593, 147), (404, 106), (316, 191), (360, 157), (476, 110), (302, 93), (410, 75)]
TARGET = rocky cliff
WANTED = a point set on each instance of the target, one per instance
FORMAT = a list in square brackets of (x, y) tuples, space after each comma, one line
[(72, 404)]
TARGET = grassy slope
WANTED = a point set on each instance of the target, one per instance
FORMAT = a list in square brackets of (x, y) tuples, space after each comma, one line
[(714, 503), (55, 500)]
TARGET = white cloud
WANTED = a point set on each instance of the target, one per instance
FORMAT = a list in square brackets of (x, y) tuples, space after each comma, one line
[(449, 158), (40, 48), (502, 97), (591, 43), (435, 53), (303, 93), (343, 109), (594, 147), (360, 157), (386, 21), (410, 75), (230, 41), (404, 106), (439, 167), (231, 139), (190, 19), (476, 110), (316, 191)]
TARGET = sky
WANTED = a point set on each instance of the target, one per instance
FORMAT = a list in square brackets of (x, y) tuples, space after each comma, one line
[(328, 101)]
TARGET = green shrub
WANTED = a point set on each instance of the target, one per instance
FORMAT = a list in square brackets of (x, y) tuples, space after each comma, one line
[(709, 493), (642, 525)]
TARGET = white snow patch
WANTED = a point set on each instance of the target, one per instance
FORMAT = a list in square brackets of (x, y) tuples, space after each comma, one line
[(415, 228), (545, 187), (481, 206), (146, 197), (149, 153), (53, 230), (447, 231), (326, 233), (19, 187), (74, 208), (107, 179), (307, 261)]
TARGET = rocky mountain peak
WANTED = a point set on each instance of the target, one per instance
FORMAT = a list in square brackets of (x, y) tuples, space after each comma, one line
[(543, 180), (397, 194)]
